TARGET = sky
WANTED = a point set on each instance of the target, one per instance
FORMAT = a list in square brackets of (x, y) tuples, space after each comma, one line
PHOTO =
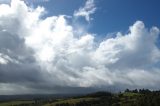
[(70, 46)]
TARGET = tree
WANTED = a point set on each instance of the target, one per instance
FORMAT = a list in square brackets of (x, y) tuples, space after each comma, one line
[(127, 90)]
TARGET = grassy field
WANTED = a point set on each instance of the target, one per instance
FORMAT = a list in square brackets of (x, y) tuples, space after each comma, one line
[(123, 99), (141, 98), (58, 101), (70, 101), (10, 103)]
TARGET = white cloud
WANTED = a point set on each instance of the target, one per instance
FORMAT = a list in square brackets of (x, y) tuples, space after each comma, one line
[(88, 9), (35, 1), (46, 54), (3, 60)]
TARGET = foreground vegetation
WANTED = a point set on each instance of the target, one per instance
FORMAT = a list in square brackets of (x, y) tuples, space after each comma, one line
[(140, 97)]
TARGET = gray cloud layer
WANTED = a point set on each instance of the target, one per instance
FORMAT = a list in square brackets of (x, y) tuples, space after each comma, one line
[(46, 55)]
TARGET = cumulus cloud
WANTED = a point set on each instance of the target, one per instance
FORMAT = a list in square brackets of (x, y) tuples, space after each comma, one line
[(88, 9), (46, 56)]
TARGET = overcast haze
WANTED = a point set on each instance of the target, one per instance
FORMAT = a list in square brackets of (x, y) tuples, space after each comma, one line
[(41, 52)]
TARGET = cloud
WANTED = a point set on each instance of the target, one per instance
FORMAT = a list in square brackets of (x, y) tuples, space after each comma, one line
[(88, 9), (5, 1), (35, 1), (46, 56)]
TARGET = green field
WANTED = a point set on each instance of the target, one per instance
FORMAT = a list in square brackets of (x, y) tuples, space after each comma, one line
[(10, 103), (131, 98), (70, 101), (123, 99)]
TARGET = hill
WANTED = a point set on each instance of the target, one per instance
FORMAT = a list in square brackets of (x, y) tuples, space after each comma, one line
[(128, 98)]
